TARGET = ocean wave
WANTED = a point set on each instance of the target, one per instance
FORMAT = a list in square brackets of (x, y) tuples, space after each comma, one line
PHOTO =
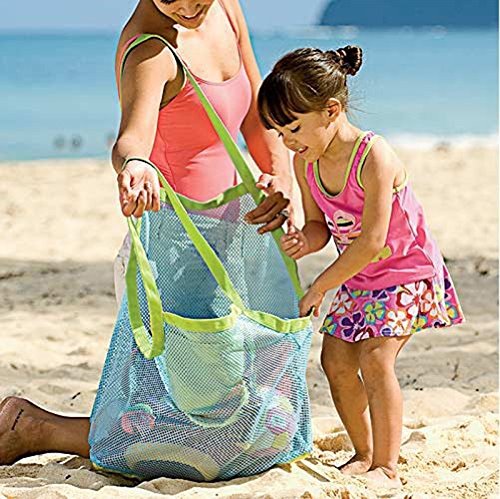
[(428, 142)]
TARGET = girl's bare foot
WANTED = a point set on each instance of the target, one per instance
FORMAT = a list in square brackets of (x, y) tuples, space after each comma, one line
[(356, 465), (382, 478), (26, 429)]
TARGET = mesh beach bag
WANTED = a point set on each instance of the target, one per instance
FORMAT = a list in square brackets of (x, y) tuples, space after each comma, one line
[(205, 374)]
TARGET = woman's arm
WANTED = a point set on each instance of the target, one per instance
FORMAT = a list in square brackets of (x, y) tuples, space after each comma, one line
[(146, 71), (378, 177), (264, 145)]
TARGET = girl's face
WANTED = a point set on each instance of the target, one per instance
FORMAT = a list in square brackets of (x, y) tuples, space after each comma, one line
[(311, 133), (188, 13)]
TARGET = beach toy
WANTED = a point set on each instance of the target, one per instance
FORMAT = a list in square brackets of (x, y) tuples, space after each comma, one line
[(137, 418), (189, 462), (263, 447), (280, 417), (279, 424), (198, 335)]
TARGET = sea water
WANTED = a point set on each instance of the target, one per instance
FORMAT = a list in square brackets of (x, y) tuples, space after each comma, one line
[(58, 93)]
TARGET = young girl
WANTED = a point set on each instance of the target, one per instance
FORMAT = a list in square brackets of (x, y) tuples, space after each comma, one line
[(390, 275)]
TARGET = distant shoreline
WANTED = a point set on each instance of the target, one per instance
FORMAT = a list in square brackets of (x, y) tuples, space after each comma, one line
[(73, 111), (308, 30), (449, 13), (407, 141)]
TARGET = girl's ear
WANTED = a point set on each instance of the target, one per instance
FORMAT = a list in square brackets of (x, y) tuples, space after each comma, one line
[(333, 109)]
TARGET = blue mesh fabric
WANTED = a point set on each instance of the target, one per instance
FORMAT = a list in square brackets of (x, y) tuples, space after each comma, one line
[(213, 405)]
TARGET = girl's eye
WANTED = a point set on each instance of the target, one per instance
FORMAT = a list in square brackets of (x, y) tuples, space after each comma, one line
[(168, 2), (280, 135), (295, 130)]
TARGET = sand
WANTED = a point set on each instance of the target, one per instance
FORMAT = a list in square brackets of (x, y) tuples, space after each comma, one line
[(61, 228)]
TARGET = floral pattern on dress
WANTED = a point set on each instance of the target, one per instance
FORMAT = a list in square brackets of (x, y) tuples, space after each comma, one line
[(353, 325), (329, 326), (374, 311), (344, 304), (356, 315)]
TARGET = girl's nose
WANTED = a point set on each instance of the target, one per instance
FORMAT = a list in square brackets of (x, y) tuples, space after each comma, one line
[(289, 142)]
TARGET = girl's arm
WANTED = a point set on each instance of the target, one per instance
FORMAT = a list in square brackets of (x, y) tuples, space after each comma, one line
[(378, 177), (147, 70), (315, 234), (264, 145)]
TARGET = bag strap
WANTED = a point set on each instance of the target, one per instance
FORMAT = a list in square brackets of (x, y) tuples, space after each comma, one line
[(139, 260), (230, 146), (152, 345), (223, 133)]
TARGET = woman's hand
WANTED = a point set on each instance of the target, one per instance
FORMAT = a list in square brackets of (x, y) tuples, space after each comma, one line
[(294, 243), (311, 301), (276, 209), (139, 189)]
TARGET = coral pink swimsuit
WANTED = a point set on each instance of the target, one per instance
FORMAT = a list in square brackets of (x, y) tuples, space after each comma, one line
[(186, 149)]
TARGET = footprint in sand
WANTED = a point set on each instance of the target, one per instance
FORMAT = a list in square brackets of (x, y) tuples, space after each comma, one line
[(334, 442)]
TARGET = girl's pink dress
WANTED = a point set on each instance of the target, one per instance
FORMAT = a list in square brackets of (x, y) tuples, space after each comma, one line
[(407, 287)]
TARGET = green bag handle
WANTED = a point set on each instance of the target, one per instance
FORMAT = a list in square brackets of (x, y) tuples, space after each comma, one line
[(231, 148), (152, 345), (139, 259)]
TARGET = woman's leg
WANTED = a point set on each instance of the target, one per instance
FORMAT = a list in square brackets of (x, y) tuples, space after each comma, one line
[(26, 430), (339, 359), (377, 358)]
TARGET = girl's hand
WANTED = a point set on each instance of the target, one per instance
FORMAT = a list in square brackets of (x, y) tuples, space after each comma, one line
[(139, 189), (294, 243), (311, 300)]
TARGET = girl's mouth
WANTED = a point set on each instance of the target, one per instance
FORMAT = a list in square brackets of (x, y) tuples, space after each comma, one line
[(302, 150)]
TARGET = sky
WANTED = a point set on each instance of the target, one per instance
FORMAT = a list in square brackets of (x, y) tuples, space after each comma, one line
[(111, 14)]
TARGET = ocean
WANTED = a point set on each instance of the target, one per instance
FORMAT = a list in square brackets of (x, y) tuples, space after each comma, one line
[(416, 86)]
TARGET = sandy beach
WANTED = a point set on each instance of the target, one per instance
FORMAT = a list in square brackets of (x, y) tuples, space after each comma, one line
[(62, 227)]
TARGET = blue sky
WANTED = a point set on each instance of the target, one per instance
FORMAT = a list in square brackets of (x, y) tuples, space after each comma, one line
[(110, 14)]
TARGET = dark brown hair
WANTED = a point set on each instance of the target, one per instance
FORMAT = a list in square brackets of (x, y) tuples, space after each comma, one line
[(303, 81)]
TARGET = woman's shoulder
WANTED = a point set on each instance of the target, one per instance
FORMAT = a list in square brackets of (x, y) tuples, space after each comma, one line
[(236, 16), (154, 51)]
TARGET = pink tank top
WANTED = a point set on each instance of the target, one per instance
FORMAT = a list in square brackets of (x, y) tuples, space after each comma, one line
[(410, 253), (187, 149)]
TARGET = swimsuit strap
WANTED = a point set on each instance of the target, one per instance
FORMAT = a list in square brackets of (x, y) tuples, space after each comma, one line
[(362, 150), (233, 27)]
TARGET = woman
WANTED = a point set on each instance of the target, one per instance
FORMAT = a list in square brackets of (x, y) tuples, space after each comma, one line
[(163, 120)]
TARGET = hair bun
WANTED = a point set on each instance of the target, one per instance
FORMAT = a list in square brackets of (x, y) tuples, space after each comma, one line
[(348, 58)]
